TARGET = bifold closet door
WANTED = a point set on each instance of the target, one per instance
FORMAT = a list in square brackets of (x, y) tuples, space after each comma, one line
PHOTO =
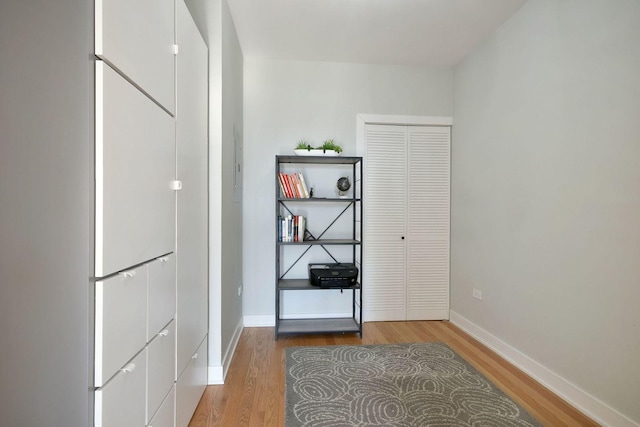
[(427, 238), (384, 223), (407, 222)]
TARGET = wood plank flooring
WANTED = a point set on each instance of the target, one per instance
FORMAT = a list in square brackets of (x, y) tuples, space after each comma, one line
[(253, 393)]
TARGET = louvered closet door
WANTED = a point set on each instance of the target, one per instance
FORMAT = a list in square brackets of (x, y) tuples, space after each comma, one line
[(428, 223), (384, 216)]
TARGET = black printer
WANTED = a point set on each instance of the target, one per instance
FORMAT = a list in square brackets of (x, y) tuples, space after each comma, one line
[(335, 275)]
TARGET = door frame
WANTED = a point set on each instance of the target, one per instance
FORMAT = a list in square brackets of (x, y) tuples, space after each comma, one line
[(362, 120), (389, 119)]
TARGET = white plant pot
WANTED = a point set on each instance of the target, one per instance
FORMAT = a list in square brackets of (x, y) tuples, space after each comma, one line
[(316, 152), (303, 152)]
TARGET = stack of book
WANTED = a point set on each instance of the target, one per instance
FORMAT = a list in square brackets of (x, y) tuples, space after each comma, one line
[(291, 228), (293, 186)]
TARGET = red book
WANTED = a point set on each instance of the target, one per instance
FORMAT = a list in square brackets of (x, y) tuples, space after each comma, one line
[(282, 190), (288, 194), (297, 185), (292, 186)]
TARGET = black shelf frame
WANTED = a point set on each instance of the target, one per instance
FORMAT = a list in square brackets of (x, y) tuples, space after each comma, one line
[(305, 285), (351, 204)]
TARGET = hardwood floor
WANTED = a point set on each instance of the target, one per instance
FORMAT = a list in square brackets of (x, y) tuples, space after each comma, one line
[(253, 393)]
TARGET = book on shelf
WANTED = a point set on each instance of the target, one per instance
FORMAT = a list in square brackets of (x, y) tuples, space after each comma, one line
[(296, 184), (304, 185), (293, 186), (301, 228), (282, 189), (287, 188), (291, 228), (279, 228), (292, 191)]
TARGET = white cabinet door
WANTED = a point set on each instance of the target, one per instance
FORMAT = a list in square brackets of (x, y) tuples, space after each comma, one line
[(135, 165), (191, 385), (161, 367), (428, 223), (121, 402), (406, 256), (192, 212), (384, 222), (161, 293), (137, 38), (120, 321), (165, 417)]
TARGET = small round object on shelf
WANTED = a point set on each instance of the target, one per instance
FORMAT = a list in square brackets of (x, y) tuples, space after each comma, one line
[(343, 185)]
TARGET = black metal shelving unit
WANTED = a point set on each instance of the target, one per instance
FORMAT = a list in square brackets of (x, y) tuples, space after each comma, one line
[(352, 206)]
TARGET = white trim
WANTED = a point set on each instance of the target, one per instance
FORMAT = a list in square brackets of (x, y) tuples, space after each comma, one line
[(98, 381), (259, 320), (97, 411), (99, 168), (97, 20), (590, 405), (316, 315), (388, 119), (215, 375), (231, 349)]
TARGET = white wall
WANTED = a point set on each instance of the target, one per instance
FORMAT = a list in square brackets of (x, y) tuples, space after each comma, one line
[(285, 101), (232, 131), (545, 205), (46, 204)]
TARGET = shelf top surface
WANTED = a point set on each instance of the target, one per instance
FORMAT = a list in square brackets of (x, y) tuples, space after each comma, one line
[(305, 284), (319, 199), (321, 325), (323, 242), (345, 160)]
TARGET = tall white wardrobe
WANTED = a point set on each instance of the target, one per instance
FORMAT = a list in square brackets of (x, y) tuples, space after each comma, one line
[(150, 356), (406, 221)]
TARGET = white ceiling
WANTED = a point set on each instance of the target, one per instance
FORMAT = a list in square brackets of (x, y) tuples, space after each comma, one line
[(400, 32)]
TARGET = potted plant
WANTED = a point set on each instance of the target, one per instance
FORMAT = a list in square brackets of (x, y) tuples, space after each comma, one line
[(330, 148), (303, 148)]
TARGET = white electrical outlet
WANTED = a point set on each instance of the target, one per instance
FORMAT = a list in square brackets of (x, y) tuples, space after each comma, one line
[(477, 294)]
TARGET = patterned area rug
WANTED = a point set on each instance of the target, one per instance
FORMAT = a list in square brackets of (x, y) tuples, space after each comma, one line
[(424, 384)]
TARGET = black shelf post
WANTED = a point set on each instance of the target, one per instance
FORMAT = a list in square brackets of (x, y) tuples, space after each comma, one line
[(353, 206)]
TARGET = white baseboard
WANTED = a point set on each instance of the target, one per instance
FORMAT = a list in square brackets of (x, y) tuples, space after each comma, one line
[(217, 374), (259, 321), (316, 316), (591, 406), (228, 356)]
